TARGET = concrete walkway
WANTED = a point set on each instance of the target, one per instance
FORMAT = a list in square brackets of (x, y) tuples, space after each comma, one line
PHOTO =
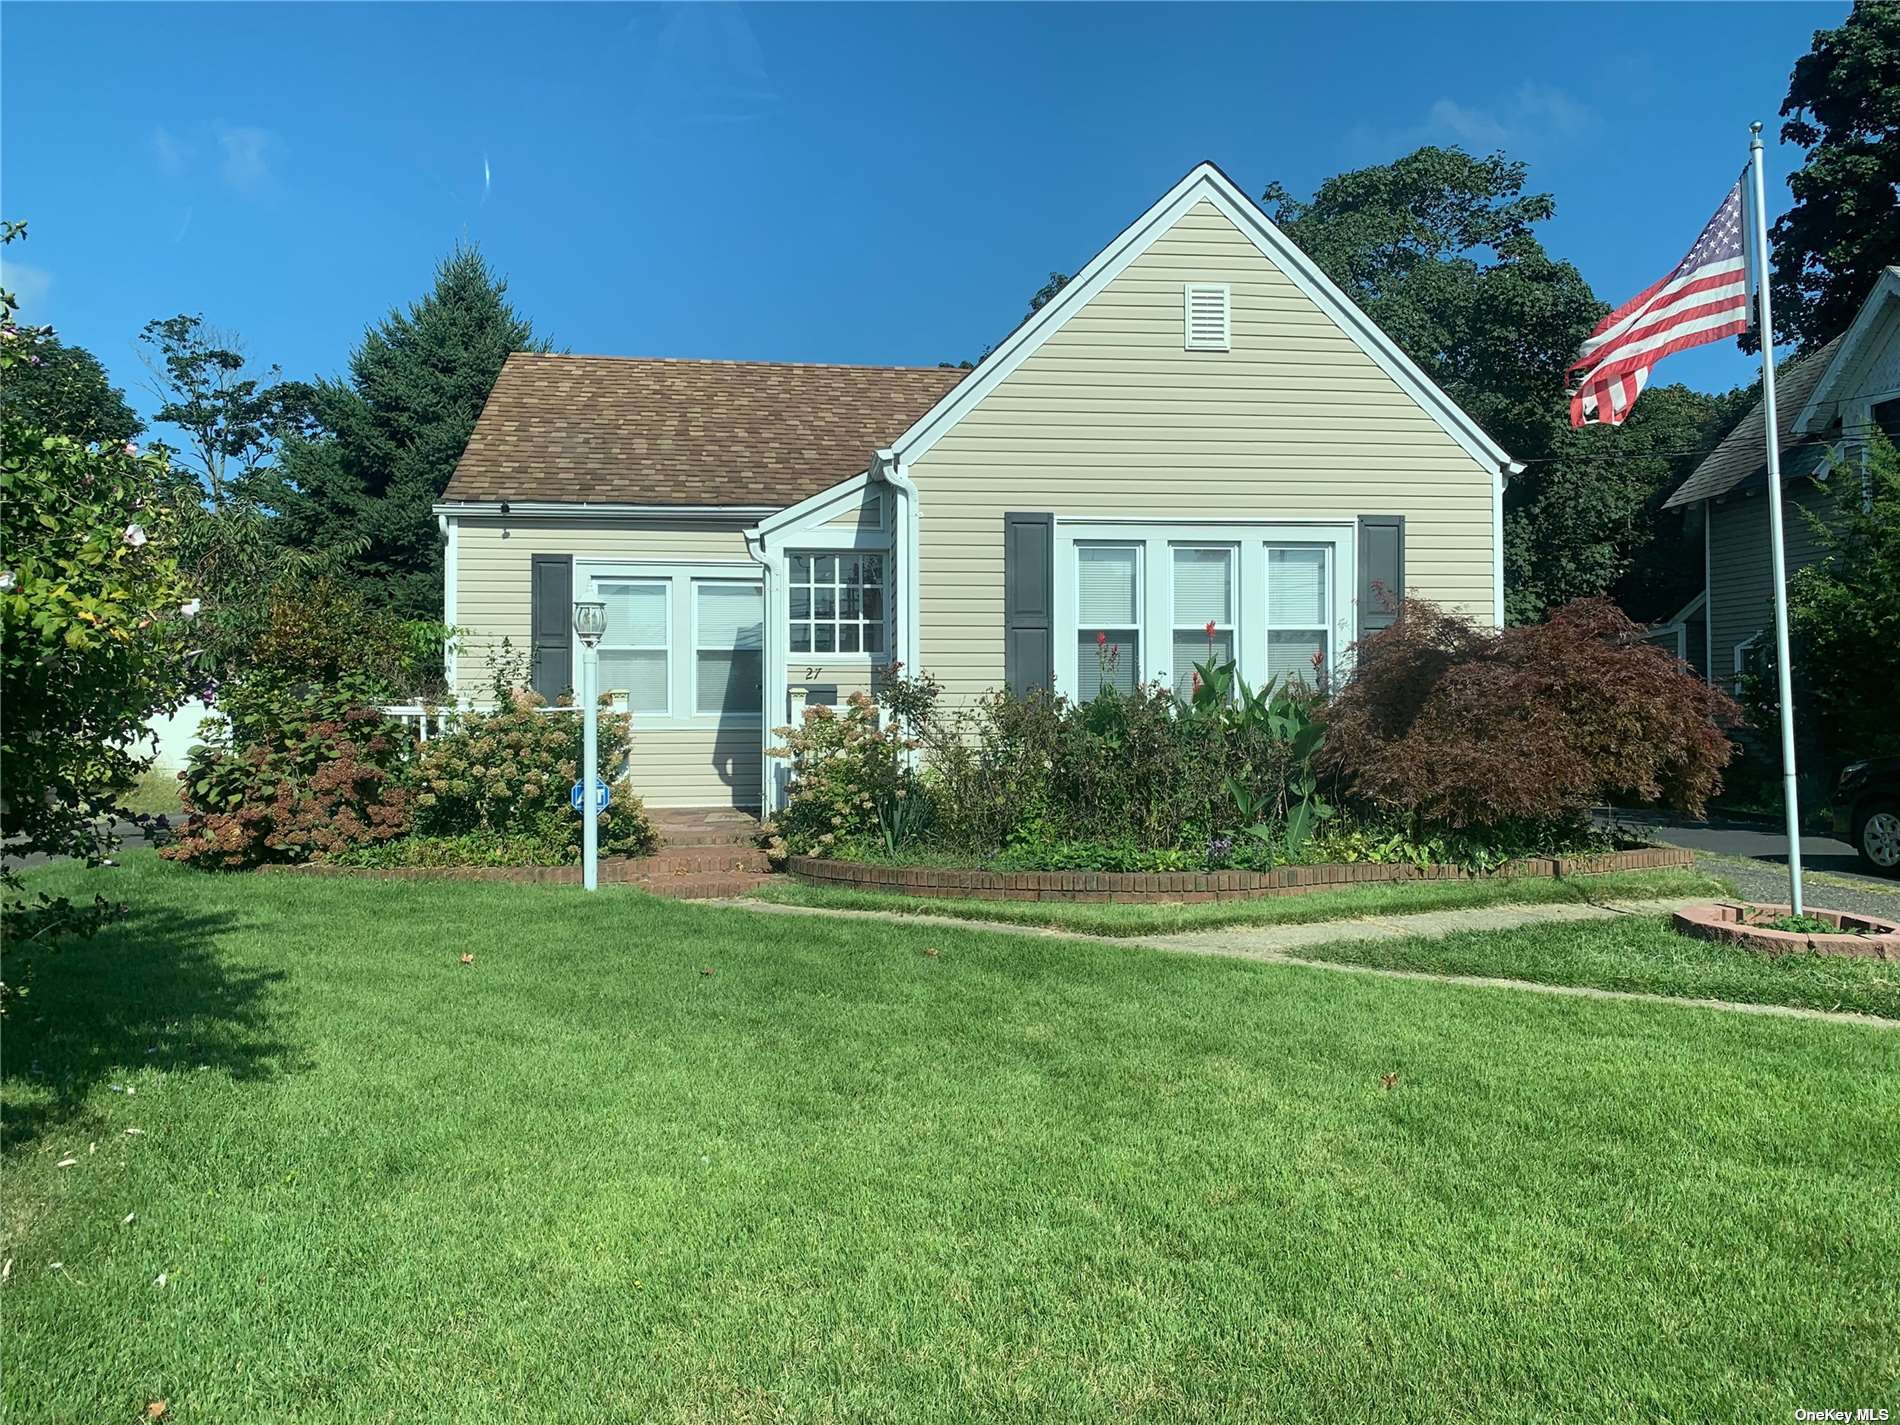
[(1281, 945)]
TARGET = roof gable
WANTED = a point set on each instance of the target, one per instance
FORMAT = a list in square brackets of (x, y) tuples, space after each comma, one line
[(1204, 184), (645, 431), (1742, 455), (1874, 330)]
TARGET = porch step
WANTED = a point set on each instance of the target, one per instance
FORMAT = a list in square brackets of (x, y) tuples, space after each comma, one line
[(686, 827), (673, 861), (706, 886)]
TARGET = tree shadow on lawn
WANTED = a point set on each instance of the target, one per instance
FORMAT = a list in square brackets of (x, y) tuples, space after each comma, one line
[(150, 992)]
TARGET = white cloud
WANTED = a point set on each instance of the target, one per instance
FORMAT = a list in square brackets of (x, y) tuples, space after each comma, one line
[(249, 157), (173, 153), (32, 285), (1532, 118)]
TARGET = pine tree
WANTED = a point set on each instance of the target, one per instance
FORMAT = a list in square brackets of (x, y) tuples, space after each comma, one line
[(392, 432)]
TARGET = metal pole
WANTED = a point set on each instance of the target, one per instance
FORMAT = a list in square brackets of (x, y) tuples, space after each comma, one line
[(590, 766), (1784, 672)]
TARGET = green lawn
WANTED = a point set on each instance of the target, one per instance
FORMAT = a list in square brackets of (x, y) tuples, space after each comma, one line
[(1163, 918), (839, 1178), (1637, 953)]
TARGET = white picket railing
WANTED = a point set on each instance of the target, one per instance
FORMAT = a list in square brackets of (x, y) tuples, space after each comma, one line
[(426, 720)]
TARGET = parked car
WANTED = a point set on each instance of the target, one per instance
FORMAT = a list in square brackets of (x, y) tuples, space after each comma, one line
[(1867, 812)]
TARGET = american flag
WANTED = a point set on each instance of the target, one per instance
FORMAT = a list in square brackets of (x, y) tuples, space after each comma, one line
[(1705, 299)]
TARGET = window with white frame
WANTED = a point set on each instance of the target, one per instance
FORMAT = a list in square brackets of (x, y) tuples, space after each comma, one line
[(836, 603), (1203, 602), (1299, 614), (634, 650), (728, 648), (1139, 597), (1108, 618)]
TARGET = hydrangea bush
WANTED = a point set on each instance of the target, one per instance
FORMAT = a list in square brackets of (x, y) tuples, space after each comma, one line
[(508, 773)]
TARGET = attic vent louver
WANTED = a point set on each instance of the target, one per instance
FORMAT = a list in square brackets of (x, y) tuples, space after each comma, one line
[(1207, 316)]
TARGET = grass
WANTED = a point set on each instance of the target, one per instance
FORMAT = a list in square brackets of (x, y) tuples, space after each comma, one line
[(1640, 953), (1164, 918), (156, 792), (841, 1179)]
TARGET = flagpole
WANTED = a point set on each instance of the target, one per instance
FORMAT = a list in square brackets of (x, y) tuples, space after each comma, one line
[(1784, 673)]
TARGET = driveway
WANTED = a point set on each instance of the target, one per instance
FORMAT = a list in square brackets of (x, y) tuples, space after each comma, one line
[(1754, 857)]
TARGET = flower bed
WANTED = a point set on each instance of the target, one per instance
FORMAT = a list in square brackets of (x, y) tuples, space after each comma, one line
[(1860, 937), (1188, 886)]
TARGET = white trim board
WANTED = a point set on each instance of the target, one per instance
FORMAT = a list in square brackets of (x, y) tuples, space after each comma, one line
[(1204, 183), (1818, 414)]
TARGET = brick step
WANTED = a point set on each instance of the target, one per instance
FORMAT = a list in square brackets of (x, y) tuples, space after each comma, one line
[(693, 861), (694, 837), (705, 886)]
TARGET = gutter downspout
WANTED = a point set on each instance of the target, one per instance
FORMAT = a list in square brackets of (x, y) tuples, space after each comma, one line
[(1505, 472), (886, 465), (773, 679)]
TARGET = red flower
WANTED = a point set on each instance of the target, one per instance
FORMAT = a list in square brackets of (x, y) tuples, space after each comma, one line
[(1210, 628), (1101, 639)]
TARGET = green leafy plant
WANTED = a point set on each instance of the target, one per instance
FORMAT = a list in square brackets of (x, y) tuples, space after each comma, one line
[(851, 781), (508, 773)]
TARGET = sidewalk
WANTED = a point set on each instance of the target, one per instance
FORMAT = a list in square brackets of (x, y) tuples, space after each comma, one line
[(1281, 945)]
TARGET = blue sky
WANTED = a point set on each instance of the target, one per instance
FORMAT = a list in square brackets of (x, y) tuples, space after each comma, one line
[(868, 183)]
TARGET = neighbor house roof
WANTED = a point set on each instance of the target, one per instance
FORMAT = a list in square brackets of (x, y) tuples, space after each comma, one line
[(1742, 459), (649, 431)]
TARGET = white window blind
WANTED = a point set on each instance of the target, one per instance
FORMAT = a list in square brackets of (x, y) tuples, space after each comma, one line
[(633, 651), (1208, 316), (1299, 617), (729, 648), (1203, 599), (1108, 617)]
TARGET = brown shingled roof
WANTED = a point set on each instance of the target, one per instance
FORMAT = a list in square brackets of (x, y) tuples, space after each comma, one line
[(648, 431)]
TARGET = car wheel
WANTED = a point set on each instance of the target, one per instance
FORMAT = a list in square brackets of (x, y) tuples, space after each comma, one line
[(1877, 837)]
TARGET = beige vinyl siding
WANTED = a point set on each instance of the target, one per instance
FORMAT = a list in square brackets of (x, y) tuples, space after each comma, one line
[(1741, 566), (1112, 416), (863, 516), (494, 585)]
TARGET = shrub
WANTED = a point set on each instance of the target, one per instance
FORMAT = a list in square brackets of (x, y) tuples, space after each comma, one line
[(1449, 725), (319, 786), (507, 773), (472, 848), (851, 782)]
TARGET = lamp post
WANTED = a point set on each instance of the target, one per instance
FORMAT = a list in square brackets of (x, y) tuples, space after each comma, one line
[(590, 622)]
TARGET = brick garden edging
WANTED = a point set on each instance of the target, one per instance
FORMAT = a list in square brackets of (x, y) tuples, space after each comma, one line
[(929, 881), (1727, 921)]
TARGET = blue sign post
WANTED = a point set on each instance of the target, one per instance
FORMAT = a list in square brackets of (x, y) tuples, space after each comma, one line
[(602, 795)]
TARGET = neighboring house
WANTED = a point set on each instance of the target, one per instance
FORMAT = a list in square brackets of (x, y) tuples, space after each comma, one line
[(1200, 428), (1825, 403)]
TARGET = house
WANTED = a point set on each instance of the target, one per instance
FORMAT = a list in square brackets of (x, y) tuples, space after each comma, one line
[(1198, 430), (1825, 402)]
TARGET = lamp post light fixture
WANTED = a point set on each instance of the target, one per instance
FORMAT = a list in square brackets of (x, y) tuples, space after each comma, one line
[(590, 622)]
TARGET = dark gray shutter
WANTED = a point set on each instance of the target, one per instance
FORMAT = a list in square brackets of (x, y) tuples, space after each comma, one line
[(1381, 571), (553, 618), (1029, 589)]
